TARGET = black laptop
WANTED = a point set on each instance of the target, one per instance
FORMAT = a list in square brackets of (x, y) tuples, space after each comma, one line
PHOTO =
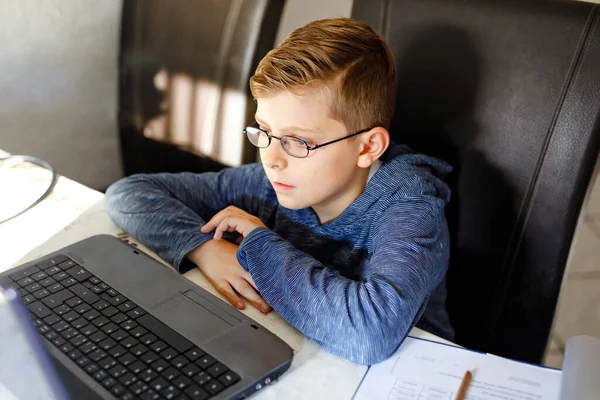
[(120, 324)]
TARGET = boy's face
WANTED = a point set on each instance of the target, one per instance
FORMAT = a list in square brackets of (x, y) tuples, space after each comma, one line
[(329, 179)]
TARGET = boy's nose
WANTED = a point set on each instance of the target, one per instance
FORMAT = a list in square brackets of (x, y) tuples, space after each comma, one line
[(274, 156)]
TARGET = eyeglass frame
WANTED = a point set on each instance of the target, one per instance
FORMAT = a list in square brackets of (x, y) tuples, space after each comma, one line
[(308, 147)]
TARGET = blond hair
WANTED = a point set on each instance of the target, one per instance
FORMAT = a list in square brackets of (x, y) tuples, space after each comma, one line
[(343, 54)]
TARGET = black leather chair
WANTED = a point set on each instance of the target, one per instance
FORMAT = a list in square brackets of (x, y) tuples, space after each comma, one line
[(509, 93)]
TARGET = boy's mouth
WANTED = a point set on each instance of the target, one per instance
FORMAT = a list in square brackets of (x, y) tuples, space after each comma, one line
[(282, 187)]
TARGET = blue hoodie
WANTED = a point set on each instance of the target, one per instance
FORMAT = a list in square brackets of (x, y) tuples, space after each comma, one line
[(355, 285)]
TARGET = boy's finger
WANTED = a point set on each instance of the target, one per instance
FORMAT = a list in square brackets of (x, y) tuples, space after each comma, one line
[(226, 290), (215, 221), (244, 288)]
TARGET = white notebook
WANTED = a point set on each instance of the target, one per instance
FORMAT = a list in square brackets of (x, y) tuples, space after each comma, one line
[(425, 370)]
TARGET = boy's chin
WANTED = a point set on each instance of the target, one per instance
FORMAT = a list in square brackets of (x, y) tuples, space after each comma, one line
[(290, 203)]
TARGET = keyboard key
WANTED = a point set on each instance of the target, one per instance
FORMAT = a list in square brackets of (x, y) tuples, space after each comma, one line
[(112, 292), (39, 276), (170, 373), (110, 328), (119, 335), (160, 365), (79, 340), (150, 395), (100, 375), (51, 319), (213, 387), (138, 332), (40, 294), (101, 305), (129, 342), (55, 288), (158, 346), (138, 388), (126, 307), (179, 362), (118, 371), (67, 264), (96, 289), (88, 347), (47, 282), (28, 299), (107, 344), (217, 369), (137, 366), (97, 337), (52, 262), (129, 396), (69, 333), (91, 315), (202, 378), (88, 330), (59, 341), (52, 271), (86, 294), (88, 284), (170, 392), (67, 348), (82, 308), (190, 370), (149, 357), (117, 351), (139, 350), (95, 280), (127, 359), (74, 302), (135, 313), (129, 324), (61, 276), (68, 282), (26, 282), (128, 379), (110, 311), (101, 321), (16, 276), (83, 361), (148, 339), (119, 318), (118, 299), (51, 335), (168, 354), (79, 323), (92, 368), (60, 326), (117, 390), (194, 354), (196, 393), (44, 329), (158, 384), (206, 361), (167, 334), (181, 382), (97, 355), (75, 354), (108, 383), (34, 287), (71, 316), (107, 363), (148, 375), (79, 273)]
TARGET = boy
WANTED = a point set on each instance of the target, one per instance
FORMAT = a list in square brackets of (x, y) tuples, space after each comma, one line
[(351, 260)]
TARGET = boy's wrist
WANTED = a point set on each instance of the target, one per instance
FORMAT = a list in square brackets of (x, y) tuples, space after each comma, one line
[(199, 253)]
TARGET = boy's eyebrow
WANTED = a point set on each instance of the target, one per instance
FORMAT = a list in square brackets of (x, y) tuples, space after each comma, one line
[(291, 128)]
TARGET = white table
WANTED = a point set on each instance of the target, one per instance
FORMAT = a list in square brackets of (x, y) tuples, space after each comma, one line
[(314, 374)]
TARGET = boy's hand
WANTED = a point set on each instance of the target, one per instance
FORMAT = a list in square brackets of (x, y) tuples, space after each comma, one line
[(217, 261), (232, 219)]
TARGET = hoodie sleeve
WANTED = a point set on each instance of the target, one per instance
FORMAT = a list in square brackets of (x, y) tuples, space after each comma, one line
[(166, 211), (364, 321)]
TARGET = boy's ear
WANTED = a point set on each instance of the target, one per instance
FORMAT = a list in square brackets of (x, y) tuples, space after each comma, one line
[(373, 144)]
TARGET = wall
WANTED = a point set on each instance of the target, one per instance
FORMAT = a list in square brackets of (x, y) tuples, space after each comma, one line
[(58, 85)]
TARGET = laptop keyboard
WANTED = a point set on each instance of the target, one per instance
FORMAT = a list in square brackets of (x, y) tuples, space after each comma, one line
[(128, 351)]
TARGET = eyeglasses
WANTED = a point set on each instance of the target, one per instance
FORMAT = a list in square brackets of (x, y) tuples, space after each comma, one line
[(293, 146)]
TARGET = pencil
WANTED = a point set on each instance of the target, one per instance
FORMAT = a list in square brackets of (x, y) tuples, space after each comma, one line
[(462, 391)]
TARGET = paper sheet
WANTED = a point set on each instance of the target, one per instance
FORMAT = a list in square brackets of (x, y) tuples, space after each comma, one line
[(423, 370)]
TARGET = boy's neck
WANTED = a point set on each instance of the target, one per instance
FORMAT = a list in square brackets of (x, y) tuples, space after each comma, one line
[(334, 207)]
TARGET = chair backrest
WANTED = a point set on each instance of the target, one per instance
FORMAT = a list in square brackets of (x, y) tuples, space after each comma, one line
[(509, 93), (184, 94)]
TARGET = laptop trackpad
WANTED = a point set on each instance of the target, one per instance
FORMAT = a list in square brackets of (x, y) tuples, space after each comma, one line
[(195, 317)]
